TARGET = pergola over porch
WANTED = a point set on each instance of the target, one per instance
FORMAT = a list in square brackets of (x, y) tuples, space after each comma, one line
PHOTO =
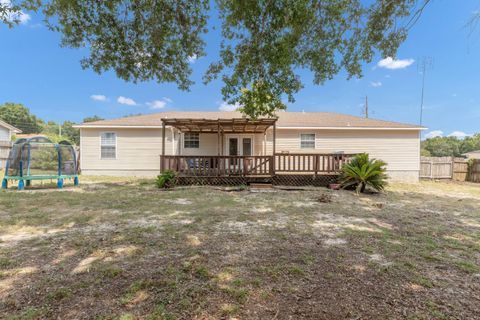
[(277, 168), (220, 127)]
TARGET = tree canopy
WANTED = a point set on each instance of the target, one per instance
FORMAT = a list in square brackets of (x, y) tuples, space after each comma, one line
[(92, 119), (19, 116), (450, 146), (264, 43)]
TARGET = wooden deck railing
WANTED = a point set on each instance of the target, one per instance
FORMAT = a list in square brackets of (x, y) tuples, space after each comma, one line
[(219, 165), (254, 165), (308, 162)]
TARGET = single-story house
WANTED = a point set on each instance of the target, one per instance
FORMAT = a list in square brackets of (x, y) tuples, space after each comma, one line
[(6, 132), (227, 143), (472, 154)]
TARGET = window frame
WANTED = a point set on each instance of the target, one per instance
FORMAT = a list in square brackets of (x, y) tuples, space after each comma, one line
[(109, 145), (190, 141), (314, 141)]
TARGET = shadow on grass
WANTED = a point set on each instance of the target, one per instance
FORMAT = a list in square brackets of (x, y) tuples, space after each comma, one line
[(143, 253)]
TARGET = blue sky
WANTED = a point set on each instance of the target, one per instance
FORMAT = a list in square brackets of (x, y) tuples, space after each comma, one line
[(48, 79)]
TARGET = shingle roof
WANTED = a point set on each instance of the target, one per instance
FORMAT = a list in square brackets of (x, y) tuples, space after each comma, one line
[(285, 119)]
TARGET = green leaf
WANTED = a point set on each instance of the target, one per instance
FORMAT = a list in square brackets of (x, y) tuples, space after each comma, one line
[(362, 171)]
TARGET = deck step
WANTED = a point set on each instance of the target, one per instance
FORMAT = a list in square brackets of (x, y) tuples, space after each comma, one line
[(257, 185)]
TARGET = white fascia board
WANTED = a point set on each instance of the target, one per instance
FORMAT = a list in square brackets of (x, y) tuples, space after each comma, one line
[(278, 127), (81, 126), (351, 128)]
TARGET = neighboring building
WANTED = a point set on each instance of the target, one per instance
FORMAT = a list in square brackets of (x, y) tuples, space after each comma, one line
[(472, 154), (133, 145), (6, 132)]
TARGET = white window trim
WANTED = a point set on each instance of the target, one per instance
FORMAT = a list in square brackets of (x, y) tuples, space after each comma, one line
[(314, 139), (183, 140), (116, 143)]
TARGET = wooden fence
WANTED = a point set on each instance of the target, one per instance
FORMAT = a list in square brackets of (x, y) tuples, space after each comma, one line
[(5, 147), (452, 168), (474, 174)]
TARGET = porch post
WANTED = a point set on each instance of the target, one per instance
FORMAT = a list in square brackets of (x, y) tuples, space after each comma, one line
[(222, 138), (274, 143), (264, 149), (218, 138), (162, 163)]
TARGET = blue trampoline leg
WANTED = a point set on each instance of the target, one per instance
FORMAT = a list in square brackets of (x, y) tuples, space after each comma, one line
[(4, 184), (21, 185), (60, 183), (75, 181)]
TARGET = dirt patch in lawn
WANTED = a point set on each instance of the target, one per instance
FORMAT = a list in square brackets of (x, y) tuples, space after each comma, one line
[(130, 251)]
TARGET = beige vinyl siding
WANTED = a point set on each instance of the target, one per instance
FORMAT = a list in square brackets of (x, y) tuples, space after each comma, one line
[(400, 149), (137, 151), (4, 134), (207, 146), (259, 144)]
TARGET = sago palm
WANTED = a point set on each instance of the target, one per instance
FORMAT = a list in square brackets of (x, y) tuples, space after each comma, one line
[(362, 172)]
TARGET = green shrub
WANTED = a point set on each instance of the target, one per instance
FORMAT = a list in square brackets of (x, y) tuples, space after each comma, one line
[(168, 179), (364, 172)]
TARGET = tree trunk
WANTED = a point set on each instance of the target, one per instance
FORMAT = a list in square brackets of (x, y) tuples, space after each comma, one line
[(364, 185)]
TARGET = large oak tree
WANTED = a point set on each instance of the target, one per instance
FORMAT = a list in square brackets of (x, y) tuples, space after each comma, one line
[(265, 43)]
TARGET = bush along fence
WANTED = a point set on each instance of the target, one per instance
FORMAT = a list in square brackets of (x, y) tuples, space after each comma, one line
[(450, 168)]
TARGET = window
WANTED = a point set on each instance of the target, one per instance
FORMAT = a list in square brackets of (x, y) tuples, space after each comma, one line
[(108, 142), (247, 146), (307, 141), (191, 140)]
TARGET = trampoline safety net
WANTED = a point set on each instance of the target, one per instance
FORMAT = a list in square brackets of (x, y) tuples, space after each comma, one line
[(40, 157)]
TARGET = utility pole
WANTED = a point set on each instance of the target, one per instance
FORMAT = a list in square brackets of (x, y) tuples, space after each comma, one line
[(365, 108), (60, 130), (425, 64)]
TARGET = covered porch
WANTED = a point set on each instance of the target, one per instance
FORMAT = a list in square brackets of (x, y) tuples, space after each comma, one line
[(237, 156)]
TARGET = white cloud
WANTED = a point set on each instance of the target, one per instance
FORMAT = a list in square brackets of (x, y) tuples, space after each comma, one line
[(19, 16), (192, 58), (433, 134), (375, 84), (24, 17), (157, 104), (459, 134), (224, 106), (127, 101), (98, 97), (391, 63)]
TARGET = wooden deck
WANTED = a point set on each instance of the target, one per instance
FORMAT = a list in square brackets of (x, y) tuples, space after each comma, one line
[(299, 168)]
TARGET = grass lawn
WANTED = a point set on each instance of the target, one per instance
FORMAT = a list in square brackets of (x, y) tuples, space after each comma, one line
[(122, 249)]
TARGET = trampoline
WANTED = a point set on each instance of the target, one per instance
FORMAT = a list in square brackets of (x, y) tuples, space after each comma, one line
[(38, 158)]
